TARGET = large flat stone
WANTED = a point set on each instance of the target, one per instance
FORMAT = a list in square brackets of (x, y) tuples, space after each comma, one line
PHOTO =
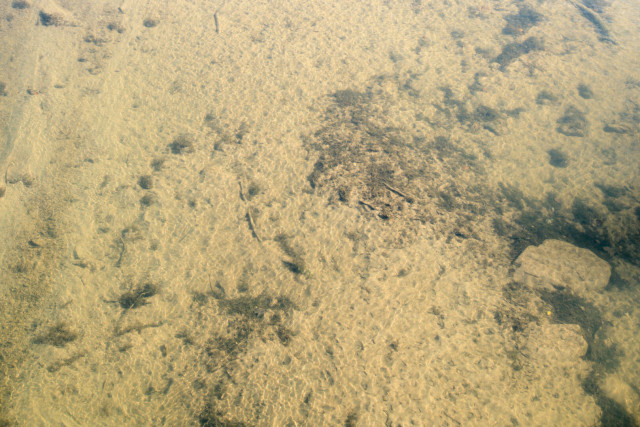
[(556, 263)]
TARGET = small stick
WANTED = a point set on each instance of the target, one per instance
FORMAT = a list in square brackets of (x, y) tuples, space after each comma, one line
[(215, 17), (241, 192), (363, 203), (210, 285), (409, 199), (252, 226), (121, 253)]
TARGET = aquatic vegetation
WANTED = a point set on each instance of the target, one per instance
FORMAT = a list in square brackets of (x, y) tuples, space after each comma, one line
[(545, 97), (148, 199), (558, 158), (138, 297), (150, 22), (57, 335), (521, 22), (512, 51), (585, 91), (295, 263), (597, 23), (211, 417), (20, 4), (145, 182), (50, 19), (182, 143), (572, 123)]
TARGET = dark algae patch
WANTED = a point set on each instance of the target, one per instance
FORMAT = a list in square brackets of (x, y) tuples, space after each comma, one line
[(513, 51), (572, 123), (255, 307), (57, 335), (182, 143), (50, 19), (295, 262), (138, 296), (571, 309), (519, 23), (557, 158), (583, 224), (20, 4), (150, 22), (613, 413), (212, 417), (596, 22), (264, 317), (395, 175), (545, 98), (585, 91), (145, 182)]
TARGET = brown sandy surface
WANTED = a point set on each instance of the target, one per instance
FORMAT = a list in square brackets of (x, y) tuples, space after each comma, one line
[(313, 215)]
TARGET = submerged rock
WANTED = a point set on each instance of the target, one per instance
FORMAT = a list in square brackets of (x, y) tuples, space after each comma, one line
[(556, 265)]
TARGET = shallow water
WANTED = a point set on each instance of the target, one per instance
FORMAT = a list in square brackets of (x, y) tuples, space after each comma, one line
[(319, 213)]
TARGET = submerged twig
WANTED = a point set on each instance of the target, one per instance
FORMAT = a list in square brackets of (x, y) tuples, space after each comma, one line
[(409, 199), (363, 203), (248, 216), (241, 192), (121, 252), (252, 226), (215, 17)]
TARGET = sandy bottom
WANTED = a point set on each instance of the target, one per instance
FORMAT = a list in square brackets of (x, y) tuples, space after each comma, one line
[(319, 213)]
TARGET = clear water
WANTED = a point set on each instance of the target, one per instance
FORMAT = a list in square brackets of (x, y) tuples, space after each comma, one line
[(319, 213)]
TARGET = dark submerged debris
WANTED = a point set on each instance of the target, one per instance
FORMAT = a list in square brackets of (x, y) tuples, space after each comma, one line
[(252, 226), (157, 164), (596, 5), (485, 114), (212, 417), (114, 26), (513, 51), (256, 307), (253, 190), (138, 297), (599, 26), (351, 420), (182, 143), (56, 366), (570, 309), (581, 224), (545, 97), (573, 310), (135, 327), (145, 182), (50, 19), (585, 91), (251, 316), (97, 41), (20, 4), (57, 335), (150, 22), (558, 158), (350, 98), (519, 23), (608, 128), (295, 263), (613, 413), (148, 199), (572, 123), (611, 190)]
